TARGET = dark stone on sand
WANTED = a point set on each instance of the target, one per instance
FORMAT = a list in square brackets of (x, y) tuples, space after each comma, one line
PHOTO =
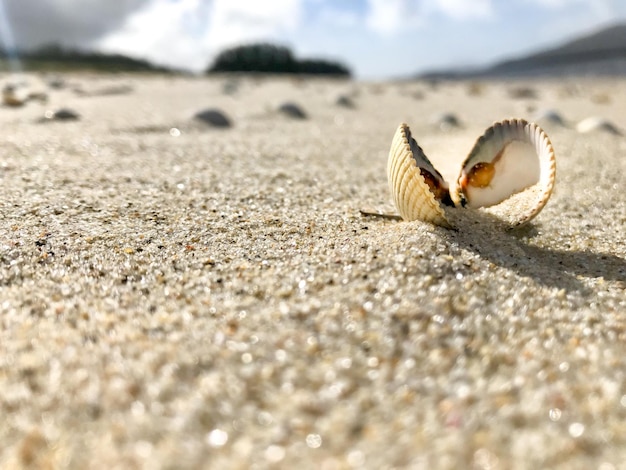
[(213, 118), (523, 93), (446, 121), (61, 114), (549, 116), (64, 114), (56, 83), (292, 110), (345, 102), (104, 91)]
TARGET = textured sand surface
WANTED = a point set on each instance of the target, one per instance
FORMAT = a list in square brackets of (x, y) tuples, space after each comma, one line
[(215, 299)]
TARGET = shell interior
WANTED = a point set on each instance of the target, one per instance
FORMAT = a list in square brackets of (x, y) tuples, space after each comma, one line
[(512, 157), (501, 164)]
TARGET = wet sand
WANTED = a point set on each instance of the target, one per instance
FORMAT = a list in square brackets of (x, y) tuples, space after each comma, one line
[(179, 296)]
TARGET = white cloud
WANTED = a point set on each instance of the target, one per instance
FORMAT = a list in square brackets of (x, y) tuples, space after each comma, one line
[(592, 9), (335, 17), (555, 4), (464, 9), (66, 22), (237, 21), (177, 33), (171, 33), (393, 16)]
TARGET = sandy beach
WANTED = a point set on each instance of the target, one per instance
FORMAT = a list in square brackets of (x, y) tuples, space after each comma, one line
[(176, 296)]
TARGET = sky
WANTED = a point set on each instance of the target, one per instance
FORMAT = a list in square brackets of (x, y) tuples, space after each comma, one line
[(376, 39)]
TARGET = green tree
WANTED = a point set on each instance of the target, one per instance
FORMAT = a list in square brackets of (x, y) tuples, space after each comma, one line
[(270, 58)]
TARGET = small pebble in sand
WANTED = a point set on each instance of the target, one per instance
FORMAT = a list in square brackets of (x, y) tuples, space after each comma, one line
[(107, 90), (475, 89), (56, 82), (345, 102), (523, 93), (601, 98), (213, 118), (292, 110), (549, 116), (61, 114), (376, 89), (595, 124), (230, 87), (446, 121)]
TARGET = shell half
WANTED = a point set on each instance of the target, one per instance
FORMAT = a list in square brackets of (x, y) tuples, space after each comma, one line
[(417, 188), (513, 157)]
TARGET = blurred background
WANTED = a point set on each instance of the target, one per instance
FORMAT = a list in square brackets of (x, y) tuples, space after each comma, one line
[(369, 39)]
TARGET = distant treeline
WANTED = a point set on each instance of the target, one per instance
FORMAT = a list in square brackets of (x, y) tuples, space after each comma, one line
[(58, 58), (262, 58), (269, 58)]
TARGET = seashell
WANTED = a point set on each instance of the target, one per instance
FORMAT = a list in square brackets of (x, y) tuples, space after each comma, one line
[(594, 124), (292, 110), (512, 156), (511, 167), (417, 188), (18, 94), (213, 118), (14, 95)]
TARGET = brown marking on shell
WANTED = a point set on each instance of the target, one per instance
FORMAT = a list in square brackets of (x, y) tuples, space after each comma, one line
[(439, 189), (480, 175), (410, 189)]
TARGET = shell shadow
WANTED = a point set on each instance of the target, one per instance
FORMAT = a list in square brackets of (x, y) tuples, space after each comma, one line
[(486, 235)]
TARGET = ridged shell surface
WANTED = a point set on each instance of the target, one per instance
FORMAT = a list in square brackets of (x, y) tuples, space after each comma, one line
[(409, 190), (512, 157)]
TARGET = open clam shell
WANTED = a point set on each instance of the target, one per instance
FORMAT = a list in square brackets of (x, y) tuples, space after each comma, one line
[(512, 165), (510, 171), (417, 188)]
